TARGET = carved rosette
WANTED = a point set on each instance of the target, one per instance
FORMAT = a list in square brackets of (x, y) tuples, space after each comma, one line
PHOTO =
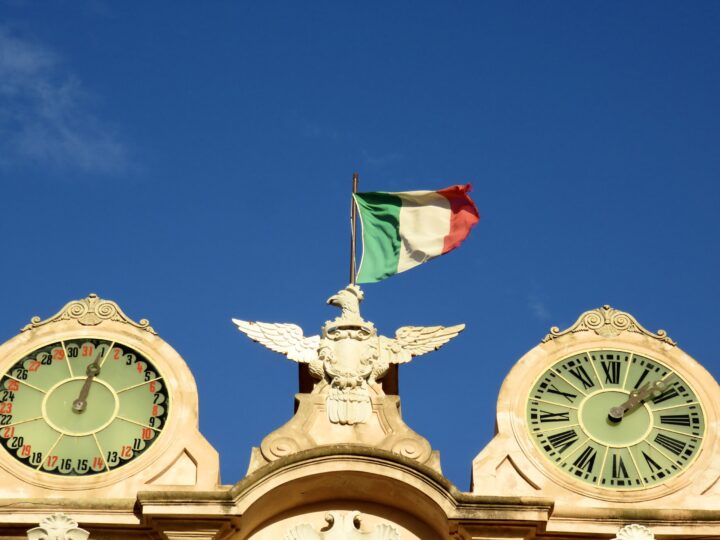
[(608, 322), (58, 527), (90, 311), (634, 532), (342, 526)]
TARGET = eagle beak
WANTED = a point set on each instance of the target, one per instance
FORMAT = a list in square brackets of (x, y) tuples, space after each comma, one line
[(333, 300)]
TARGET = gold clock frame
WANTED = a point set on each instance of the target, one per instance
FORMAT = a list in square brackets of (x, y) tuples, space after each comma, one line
[(607, 329), (179, 440)]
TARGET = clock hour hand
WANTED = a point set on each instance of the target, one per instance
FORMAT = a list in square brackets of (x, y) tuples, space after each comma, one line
[(80, 403), (635, 398)]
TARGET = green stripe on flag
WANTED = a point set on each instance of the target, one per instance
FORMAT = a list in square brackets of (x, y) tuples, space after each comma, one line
[(380, 218)]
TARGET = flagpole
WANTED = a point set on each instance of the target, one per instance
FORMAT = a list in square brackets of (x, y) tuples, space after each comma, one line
[(353, 228)]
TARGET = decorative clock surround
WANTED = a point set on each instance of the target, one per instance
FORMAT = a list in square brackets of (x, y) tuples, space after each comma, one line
[(92, 400), (604, 410)]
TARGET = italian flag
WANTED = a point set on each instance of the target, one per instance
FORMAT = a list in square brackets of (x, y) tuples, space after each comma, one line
[(402, 230)]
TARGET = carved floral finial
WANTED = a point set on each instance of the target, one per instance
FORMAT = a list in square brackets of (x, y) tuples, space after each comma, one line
[(634, 532), (90, 311), (608, 322), (58, 527)]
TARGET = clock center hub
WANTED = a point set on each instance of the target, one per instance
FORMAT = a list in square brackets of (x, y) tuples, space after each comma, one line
[(101, 409), (632, 429)]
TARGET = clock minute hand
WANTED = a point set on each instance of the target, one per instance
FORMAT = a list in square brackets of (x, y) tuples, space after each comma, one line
[(635, 398), (80, 403)]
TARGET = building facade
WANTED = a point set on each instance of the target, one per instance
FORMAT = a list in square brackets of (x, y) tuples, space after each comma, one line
[(604, 430)]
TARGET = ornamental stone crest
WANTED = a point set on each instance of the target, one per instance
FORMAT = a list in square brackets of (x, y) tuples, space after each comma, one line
[(634, 532), (608, 322), (342, 526), (58, 527), (90, 311), (349, 355)]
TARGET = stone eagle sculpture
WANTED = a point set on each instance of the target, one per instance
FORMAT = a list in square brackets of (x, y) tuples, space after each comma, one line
[(349, 355)]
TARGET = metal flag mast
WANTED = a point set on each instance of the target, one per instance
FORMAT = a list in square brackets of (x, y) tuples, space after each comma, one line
[(391, 383), (353, 227)]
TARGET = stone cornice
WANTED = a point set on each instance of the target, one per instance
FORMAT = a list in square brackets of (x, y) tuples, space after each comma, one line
[(466, 504)]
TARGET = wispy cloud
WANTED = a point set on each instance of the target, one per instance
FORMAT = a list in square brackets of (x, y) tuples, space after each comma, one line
[(46, 118), (538, 308)]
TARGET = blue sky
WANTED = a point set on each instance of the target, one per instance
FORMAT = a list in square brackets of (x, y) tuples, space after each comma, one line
[(193, 162)]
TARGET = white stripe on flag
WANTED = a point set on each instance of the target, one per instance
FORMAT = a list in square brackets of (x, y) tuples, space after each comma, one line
[(424, 224)]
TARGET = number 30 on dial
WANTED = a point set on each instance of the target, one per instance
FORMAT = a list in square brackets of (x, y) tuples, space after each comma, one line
[(80, 407)]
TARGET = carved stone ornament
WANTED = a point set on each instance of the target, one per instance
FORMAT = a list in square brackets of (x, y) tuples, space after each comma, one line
[(58, 527), (350, 355), (342, 526), (90, 311), (634, 532), (608, 322)]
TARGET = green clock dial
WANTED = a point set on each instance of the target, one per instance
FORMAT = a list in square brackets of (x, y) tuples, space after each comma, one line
[(81, 407), (615, 420)]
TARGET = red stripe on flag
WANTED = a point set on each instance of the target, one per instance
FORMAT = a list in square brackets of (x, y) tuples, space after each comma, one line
[(463, 215)]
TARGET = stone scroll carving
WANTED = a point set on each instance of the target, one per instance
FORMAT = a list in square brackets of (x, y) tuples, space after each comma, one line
[(634, 532), (342, 526), (349, 355), (58, 527), (90, 311), (608, 322)]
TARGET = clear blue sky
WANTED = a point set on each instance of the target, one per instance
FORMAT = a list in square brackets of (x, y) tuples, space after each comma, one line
[(192, 161)]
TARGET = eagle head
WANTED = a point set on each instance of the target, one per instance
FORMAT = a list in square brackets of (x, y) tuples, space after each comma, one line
[(348, 300)]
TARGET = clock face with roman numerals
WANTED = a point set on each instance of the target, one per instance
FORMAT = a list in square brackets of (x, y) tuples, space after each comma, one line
[(81, 407), (658, 434)]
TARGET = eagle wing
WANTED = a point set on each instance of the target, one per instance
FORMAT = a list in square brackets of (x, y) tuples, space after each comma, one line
[(287, 339), (416, 340)]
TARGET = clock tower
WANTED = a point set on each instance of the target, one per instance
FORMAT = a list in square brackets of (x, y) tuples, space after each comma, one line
[(605, 430), (607, 419), (94, 404)]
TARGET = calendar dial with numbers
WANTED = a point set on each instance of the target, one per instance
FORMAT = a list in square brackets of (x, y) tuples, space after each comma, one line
[(655, 434), (81, 407)]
